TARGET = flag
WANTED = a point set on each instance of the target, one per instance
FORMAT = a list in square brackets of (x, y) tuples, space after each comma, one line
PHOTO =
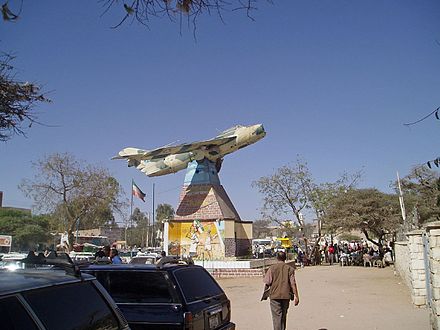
[(137, 192)]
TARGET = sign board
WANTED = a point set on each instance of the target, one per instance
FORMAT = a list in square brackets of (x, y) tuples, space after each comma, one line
[(5, 240)]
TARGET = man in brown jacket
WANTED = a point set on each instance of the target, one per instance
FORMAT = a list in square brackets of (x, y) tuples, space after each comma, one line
[(280, 280)]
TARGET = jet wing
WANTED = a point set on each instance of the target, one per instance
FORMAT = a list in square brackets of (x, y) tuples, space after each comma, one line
[(140, 154)]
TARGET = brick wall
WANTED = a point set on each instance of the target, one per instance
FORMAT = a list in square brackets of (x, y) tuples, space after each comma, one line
[(243, 247), (230, 247)]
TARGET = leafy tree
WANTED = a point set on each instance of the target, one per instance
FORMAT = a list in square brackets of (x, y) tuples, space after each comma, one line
[(27, 231), (163, 212), (77, 193), (372, 212), (421, 189), (17, 101), (349, 237), (140, 233)]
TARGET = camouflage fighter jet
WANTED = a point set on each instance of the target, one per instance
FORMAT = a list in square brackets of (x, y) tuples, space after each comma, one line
[(170, 159)]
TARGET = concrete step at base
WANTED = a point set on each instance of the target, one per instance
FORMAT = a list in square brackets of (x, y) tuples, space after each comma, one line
[(236, 272)]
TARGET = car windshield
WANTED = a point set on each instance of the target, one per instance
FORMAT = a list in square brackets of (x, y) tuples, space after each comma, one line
[(137, 286), (196, 284)]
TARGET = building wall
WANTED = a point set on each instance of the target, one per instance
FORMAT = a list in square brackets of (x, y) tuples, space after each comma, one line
[(227, 238), (243, 230), (243, 237), (112, 233), (230, 247), (229, 229)]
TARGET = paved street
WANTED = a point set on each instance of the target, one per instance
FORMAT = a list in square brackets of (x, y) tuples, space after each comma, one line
[(332, 298)]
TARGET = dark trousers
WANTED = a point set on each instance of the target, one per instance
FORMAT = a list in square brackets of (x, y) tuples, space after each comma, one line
[(279, 308)]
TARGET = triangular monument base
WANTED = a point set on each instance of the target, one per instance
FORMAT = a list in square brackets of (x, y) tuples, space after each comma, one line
[(206, 224)]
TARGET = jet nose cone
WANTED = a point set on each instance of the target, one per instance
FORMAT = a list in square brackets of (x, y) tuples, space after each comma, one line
[(260, 130)]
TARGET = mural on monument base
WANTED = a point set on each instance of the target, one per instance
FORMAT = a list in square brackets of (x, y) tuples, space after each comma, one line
[(200, 240)]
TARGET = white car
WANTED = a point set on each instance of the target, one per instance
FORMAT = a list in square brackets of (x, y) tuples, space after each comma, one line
[(81, 256), (12, 261)]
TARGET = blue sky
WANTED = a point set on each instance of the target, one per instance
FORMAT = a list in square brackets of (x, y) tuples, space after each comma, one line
[(332, 81)]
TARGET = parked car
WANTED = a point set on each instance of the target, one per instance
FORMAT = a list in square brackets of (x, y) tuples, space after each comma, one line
[(127, 255), (144, 259), (55, 298), (12, 261), (170, 296), (82, 256)]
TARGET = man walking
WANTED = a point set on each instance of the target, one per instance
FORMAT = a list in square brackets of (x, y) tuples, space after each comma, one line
[(280, 281)]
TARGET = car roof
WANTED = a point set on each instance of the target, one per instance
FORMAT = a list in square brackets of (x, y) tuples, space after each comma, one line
[(28, 279), (145, 267)]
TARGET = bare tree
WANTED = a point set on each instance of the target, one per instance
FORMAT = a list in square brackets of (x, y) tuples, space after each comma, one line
[(17, 101), (285, 191), (322, 196), (292, 189), (72, 190), (143, 11)]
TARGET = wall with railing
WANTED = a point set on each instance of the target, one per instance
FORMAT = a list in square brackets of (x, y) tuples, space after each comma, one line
[(418, 263)]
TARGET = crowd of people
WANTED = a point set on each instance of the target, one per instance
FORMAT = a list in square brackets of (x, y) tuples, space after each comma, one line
[(345, 253)]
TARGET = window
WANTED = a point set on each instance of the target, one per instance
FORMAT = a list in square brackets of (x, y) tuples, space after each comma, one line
[(137, 287), (72, 306), (197, 284), (14, 316)]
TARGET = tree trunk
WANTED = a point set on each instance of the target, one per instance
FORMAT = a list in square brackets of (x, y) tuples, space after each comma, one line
[(378, 243)]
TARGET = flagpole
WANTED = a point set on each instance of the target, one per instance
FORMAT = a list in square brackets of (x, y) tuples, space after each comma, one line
[(131, 204), (131, 210), (152, 202)]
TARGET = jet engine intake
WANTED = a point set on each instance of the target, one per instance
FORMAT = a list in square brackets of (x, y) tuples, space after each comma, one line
[(178, 162), (133, 162)]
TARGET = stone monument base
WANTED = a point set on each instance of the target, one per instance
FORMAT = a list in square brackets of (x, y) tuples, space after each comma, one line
[(206, 225)]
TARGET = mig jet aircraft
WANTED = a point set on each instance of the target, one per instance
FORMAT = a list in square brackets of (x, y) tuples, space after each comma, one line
[(170, 159)]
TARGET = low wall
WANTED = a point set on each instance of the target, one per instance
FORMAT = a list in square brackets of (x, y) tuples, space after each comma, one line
[(235, 264), (239, 268)]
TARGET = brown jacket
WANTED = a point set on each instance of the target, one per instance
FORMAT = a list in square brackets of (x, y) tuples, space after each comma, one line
[(281, 279)]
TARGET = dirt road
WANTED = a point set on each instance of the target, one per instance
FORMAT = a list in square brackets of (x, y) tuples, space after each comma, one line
[(332, 298)]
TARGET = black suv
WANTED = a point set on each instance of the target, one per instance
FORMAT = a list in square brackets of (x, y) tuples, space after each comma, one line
[(169, 296), (53, 295)]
